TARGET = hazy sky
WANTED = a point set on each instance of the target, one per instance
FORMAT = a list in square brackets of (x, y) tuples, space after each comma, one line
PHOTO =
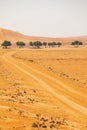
[(53, 18)]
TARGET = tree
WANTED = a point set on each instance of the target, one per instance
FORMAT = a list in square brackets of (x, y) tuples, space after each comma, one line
[(5, 44), (45, 44), (49, 44), (20, 44), (37, 44), (59, 44), (76, 43), (53, 44), (31, 43), (80, 43)]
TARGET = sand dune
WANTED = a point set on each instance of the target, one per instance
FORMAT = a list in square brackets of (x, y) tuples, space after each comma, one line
[(15, 36)]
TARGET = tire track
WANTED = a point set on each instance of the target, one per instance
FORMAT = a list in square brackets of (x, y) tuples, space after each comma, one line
[(45, 85)]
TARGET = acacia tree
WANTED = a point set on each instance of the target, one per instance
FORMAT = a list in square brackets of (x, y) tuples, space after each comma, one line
[(50, 44), (45, 44), (5, 44), (59, 44), (53, 44), (31, 43), (76, 43), (38, 44), (20, 44)]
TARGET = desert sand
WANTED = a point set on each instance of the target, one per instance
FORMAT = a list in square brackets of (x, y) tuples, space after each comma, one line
[(48, 84), (13, 36)]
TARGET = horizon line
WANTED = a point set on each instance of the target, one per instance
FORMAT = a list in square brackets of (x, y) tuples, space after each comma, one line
[(40, 36)]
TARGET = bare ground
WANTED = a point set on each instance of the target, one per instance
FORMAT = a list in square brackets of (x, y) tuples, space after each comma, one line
[(47, 82)]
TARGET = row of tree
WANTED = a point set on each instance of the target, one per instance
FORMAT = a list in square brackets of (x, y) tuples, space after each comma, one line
[(50, 44), (38, 44)]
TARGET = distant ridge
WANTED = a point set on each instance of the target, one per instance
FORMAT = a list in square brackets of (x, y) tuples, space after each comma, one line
[(13, 36)]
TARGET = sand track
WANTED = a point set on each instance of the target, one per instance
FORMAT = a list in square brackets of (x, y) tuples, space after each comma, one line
[(40, 78)]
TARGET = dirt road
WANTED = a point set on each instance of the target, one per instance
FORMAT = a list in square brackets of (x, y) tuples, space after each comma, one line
[(34, 74), (60, 91)]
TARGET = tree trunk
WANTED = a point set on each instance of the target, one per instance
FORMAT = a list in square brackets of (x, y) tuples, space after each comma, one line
[(5, 47)]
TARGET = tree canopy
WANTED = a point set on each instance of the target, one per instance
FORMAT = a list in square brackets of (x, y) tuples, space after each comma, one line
[(45, 44), (6, 44), (20, 44), (53, 44), (76, 43), (59, 44), (36, 44)]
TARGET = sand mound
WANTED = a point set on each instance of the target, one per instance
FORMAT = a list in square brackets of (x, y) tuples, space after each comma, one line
[(15, 36)]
